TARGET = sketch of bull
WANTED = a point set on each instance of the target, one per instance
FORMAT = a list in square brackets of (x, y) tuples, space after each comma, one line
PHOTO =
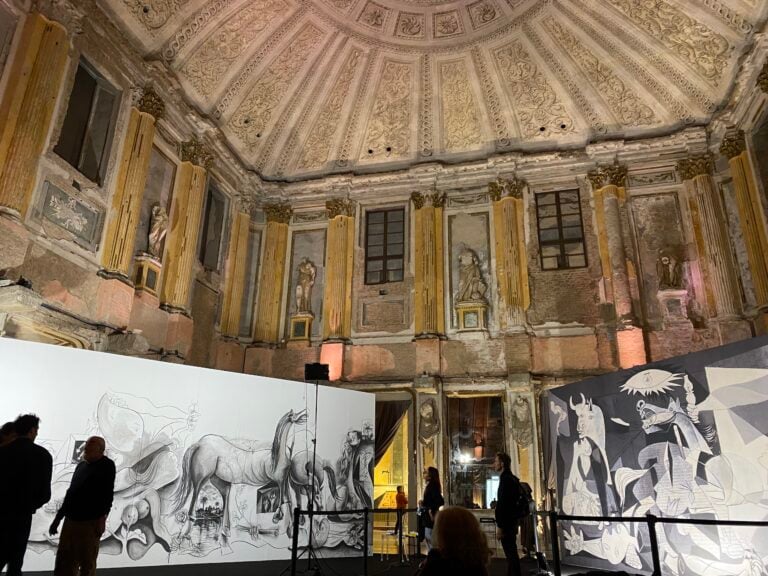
[(591, 424)]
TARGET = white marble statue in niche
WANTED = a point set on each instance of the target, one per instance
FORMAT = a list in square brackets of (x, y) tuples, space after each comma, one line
[(306, 280), (472, 287), (669, 271), (158, 227)]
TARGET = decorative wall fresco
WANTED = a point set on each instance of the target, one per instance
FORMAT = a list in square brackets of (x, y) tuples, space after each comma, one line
[(683, 438)]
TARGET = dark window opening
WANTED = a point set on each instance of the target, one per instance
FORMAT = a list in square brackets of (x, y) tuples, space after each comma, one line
[(86, 133), (561, 235), (213, 228), (384, 246)]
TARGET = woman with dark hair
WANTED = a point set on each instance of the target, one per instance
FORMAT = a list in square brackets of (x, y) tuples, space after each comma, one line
[(431, 502), (460, 547)]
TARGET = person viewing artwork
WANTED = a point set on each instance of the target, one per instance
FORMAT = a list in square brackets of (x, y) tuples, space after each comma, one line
[(459, 546), (430, 502), (25, 484), (401, 502), (507, 512), (85, 509)]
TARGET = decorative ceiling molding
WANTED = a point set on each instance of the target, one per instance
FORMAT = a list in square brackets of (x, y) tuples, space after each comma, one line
[(305, 88)]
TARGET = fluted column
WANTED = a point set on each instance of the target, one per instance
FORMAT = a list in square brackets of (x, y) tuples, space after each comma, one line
[(129, 187), (511, 257), (751, 213), (429, 311), (237, 264), (709, 229), (337, 293), (272, 273), (181, 243), (27, 109), (609, 194)]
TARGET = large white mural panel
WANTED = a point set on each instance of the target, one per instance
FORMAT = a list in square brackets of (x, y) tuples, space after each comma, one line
[(166, 427)]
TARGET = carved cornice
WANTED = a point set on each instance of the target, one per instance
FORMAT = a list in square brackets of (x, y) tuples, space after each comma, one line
[(340, 207), (151, 103), (196, 152), (694, 166), (609, 175), (436, 199), (733, 144), (762, 79), (246, 204), (506, 187), (278, 212)]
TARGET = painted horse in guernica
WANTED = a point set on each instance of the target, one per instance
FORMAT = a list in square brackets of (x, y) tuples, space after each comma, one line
[(223, 462)]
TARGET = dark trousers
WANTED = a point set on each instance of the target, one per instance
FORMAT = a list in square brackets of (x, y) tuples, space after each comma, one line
[(14, 533), (78, 548), (399, 523), (509, 544)]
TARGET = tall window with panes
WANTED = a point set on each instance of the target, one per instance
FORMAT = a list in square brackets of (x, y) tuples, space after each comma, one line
[(86, 134), (561, 234), (384, 245)]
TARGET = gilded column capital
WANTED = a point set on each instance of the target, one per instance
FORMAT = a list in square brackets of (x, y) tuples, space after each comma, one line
[(506, 187), (151, 103), (609, 175), (418, 200), (762, 79), (196, 152), (438, 199), (733, 144), (694, 166), (340, 207), (278, 212), (246, 204)]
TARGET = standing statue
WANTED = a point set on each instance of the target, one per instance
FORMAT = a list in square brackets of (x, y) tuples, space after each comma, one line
[(472, 287), (158, 227), (307, 272), (669, 272), (522, 426)]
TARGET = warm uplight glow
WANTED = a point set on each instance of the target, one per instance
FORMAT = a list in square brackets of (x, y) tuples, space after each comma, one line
[(332, 353)]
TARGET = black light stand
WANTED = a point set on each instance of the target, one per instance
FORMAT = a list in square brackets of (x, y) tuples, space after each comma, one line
[(314, 372)]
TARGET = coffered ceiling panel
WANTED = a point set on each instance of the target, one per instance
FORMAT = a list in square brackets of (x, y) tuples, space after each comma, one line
[(303, 88)]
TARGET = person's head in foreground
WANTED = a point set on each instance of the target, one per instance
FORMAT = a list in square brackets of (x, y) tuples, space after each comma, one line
[(94, 449), (460, 541)]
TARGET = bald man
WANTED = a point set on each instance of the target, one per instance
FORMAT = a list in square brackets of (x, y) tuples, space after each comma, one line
[(85, 510)]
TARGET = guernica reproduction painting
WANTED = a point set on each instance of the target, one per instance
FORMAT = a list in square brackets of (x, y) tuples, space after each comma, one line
[(683, 438), (210, 464)]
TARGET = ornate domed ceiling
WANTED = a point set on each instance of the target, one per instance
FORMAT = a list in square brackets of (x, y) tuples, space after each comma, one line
[(309, 87)]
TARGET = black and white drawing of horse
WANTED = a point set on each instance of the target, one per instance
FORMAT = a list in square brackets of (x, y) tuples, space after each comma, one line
[(223, 463)]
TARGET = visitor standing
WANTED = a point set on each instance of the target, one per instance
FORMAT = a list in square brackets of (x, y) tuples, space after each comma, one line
[(431, 502), (85, 508), (507, 512), (25, 483), (401, 503), (7, 434)]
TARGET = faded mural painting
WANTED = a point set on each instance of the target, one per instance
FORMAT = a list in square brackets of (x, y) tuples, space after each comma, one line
[(198, 478), (686, 438)]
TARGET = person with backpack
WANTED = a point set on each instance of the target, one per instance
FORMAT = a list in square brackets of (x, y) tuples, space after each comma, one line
[(511, 506)]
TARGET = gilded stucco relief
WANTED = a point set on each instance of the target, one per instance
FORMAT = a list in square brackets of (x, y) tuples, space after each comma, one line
[(210, 62), (388, 132), (255, 112), (700, 47), (461, 118), (536, 104), (323, 131), (628, 108)]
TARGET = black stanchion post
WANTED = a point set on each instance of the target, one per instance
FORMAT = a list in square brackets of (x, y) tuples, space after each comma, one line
[(555, 542), (295, 540), (654, 544), (365, 543)]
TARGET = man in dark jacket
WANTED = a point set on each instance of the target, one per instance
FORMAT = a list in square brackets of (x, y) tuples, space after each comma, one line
[(507, 518), (86, 505), (25, 483)]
